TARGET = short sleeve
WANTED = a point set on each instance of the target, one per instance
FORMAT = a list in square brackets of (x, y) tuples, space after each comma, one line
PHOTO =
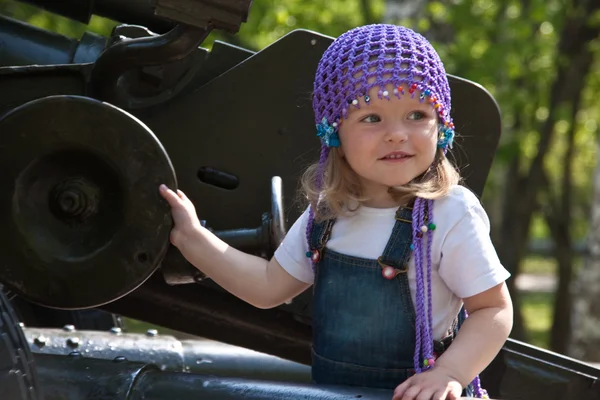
[(291, 254), (469, 263)]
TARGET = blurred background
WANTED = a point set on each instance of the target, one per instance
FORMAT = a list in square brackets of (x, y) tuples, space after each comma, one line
[(540, 60)]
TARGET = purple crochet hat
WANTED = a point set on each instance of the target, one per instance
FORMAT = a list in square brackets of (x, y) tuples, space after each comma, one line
[(377, 56), (397, 58)]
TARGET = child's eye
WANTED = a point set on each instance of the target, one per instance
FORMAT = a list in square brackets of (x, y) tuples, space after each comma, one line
[(371, 118), (417, 115)]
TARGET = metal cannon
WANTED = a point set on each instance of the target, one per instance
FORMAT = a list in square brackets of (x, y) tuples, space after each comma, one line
[(90, 127)]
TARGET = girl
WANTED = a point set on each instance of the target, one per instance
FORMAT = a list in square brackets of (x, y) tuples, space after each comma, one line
[(393, 245)]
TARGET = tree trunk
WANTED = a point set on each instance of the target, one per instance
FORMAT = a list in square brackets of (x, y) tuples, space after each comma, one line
[(560, 222), (585, 333), (509, 226), (367, 11), (398, 10)]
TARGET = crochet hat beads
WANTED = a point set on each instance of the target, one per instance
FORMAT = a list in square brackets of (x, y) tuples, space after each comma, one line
[(387, 57), (378, 55)]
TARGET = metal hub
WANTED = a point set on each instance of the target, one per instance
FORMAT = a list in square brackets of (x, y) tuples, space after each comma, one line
[(85, 223)]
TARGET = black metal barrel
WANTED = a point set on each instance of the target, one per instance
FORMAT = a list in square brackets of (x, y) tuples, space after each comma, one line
[(138, 12), (199, 356), (158, 15), (76, 377)]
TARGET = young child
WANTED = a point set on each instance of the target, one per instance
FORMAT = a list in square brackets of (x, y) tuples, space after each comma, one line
[(394, 246)]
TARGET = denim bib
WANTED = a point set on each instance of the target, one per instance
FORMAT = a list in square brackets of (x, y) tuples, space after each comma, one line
[(364, 324)]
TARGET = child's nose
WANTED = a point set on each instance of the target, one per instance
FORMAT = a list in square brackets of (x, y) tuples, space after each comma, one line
[(396, 132)]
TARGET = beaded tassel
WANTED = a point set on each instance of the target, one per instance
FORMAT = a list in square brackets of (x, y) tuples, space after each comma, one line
[(423, 356)]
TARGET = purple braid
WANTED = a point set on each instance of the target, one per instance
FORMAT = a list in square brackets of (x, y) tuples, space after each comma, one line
[(419, 279), (429, 266), (424, 326)]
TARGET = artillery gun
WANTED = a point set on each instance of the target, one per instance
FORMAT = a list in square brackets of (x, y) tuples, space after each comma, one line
[(90, 127)]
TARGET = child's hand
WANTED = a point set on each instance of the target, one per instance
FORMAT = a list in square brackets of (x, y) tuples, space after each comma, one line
[(435, 384), (184, 215)]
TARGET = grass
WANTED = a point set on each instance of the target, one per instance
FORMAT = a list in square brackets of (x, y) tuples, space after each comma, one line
[(537, 313), (537, 306)]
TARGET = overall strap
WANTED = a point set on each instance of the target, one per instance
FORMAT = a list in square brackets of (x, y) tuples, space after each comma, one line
[(397, 252), (320, 233)]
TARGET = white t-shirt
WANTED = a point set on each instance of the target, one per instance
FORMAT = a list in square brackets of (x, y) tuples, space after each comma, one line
[(464, 261)]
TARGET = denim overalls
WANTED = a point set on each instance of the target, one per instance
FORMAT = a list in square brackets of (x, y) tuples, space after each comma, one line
[(364, 324)]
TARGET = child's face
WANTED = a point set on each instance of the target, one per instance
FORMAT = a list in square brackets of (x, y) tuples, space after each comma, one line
[(389, 142)]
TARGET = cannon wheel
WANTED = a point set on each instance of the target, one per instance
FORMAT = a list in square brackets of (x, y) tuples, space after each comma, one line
[(18, 378)]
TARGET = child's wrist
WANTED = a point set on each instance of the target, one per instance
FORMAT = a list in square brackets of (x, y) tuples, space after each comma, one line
[(453, 371), (192, 240)]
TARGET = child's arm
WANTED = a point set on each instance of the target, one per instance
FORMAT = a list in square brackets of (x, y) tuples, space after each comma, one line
[(469, 264), (262, 283), (481, 336), (478, 341)]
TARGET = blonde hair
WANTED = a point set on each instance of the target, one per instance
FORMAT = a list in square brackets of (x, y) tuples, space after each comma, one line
[(340, 192)]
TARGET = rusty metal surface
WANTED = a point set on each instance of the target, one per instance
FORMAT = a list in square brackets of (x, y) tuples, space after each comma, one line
[(199, 356)]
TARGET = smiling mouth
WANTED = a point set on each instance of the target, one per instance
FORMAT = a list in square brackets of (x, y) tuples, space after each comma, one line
[(396, 157)]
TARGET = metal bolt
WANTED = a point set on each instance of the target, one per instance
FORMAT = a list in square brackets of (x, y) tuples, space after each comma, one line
[(40, 341), (115, 330), (73, 342), (69, 328), (119, 359), (74, 354), (151, 332)]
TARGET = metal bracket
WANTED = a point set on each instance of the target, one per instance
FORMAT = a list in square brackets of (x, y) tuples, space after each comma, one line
[(225, 14)]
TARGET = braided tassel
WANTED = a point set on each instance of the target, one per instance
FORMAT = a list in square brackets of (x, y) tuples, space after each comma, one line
[(423, 357)]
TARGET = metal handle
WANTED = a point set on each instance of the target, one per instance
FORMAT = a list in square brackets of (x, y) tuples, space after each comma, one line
[(262, 240)]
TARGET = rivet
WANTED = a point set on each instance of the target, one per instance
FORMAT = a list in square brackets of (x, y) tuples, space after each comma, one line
[(115, 330), (151, 332), (69, 328), (40, 341)]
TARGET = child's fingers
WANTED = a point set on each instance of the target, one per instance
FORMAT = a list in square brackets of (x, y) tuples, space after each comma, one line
[(401, 389), (181, 195), (169, 195)]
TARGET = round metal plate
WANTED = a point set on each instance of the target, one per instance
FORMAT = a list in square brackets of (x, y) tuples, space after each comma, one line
[(83, 223)]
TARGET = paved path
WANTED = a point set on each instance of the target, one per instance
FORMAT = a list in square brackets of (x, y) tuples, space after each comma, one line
[(536, 283)]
